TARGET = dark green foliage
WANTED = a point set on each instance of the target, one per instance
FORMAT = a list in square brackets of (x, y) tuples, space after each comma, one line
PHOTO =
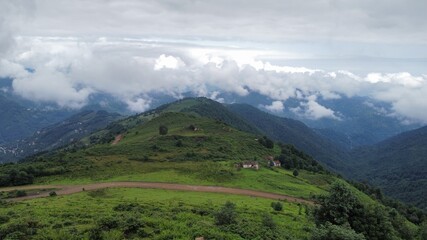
[(291, 158), (411, 213), (335, 232), (277, 206), (397, 165), (295, 173), (18, 229), (15, 178), (163, 130), (338, 207), (179, 143), (343, 208), (268, 222), (423, 231), (266, 142), (52, 194), (226, 215)]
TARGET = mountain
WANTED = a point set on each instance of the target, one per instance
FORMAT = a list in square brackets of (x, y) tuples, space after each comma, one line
[(362, 120), (17, 121), (174, 174), (294, 132), (398, 165), (57, 135)]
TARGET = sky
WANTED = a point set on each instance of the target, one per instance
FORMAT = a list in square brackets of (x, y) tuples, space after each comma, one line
[(63, 52)]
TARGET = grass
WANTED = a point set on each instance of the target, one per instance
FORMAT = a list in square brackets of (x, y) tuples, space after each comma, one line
[(275, 180), (165, 214)]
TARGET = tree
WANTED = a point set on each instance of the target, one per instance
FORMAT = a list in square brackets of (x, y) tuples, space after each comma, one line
[(335, 232), (337, 207), (163, 130), (277, 206), (295, 173), (226, 215)]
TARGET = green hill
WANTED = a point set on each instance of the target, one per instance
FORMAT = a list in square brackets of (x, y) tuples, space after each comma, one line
[(398, 165), (169, 145), (297, 133)]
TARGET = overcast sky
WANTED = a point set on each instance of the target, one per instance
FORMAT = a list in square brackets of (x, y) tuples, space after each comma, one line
[(278, 48)]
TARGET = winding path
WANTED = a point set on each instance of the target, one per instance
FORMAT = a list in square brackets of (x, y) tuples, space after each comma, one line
[(70, 189)]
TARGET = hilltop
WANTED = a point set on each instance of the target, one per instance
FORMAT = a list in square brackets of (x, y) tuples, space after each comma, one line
[(179, 144)]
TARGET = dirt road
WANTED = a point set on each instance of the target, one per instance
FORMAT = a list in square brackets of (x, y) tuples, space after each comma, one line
[(70, 189)]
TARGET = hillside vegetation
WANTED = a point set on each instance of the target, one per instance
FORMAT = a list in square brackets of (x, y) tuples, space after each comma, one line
[(397, 165), (178, 145)]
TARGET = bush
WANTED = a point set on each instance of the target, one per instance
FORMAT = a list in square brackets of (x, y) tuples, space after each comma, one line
[(295, 173), (226, 215), (163, 130), (268, 222), (21, 193), (335, 232), (53, 194), (277, 206)]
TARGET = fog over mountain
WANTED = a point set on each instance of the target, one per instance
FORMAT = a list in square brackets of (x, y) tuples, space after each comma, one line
[(64, 52)]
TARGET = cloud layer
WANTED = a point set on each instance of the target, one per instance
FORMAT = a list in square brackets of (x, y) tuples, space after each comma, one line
[(70, 50), (67, 71)]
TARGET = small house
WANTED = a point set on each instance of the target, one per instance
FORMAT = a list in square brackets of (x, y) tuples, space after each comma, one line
[(274, 163), (250, 164)]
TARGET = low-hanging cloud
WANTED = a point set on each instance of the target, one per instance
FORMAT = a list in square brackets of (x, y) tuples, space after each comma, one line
[(67, 71)]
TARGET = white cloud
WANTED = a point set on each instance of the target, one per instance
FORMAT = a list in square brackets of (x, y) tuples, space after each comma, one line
[(276, 106), (313, 110), (68, 70), (51, 86), (139, 104), (168, 62)]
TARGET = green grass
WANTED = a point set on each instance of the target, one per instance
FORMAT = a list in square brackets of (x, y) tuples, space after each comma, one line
[(196, 173), (165, 214)]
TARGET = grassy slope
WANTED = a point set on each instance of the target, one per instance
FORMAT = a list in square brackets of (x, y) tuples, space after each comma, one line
[(206, 157), (174, 214)]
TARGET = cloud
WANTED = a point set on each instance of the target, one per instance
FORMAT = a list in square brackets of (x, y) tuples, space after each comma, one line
[(13, 14), (51, 86), (276, 106), (170, 62), (139, 104), (68, 70), (313, 110), (270, 20)]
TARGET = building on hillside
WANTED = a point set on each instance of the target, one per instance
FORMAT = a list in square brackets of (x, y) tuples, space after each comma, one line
[(274, 163), (249, 164)]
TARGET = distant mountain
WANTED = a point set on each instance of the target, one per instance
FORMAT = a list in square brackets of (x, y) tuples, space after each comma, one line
[(294, 132), (398, 165), (363, 121), (57, 135), (17, 121)]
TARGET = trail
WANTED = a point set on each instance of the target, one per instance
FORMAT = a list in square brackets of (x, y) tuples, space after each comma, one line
[(117, 139), (70, 189)]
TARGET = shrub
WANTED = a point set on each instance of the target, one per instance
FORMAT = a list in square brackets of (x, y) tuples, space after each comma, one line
[(277, 206), (53, 194), (330, 231), (295, 173), (226, 215), (163, 130)]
